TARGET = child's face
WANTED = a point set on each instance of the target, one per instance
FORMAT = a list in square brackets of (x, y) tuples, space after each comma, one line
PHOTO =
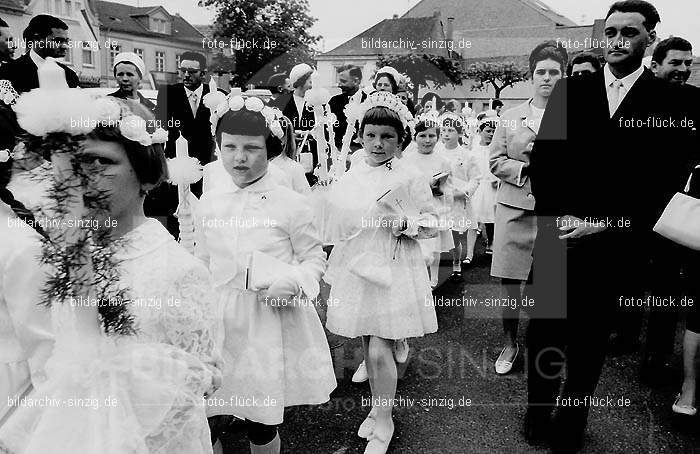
[(426, 140), (449, 136), (487, 134), (244, 157), (381, 143)]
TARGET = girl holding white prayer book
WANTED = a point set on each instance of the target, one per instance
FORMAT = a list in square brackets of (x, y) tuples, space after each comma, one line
[(275, 350), (379, 284)]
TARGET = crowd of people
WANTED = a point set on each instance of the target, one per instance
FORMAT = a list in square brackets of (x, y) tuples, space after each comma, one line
[(169, 321)]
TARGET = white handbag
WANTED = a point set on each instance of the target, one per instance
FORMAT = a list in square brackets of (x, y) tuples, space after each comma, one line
[(680, 221)]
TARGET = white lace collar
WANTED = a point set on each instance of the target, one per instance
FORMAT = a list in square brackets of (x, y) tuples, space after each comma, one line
[(144, 239)]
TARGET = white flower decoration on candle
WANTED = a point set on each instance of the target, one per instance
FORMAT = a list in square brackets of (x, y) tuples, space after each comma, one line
[(185, 170), (133, 128), (254, 104), (236, 103), (276, 129), (160, 135), (213, 99), (4, 155)]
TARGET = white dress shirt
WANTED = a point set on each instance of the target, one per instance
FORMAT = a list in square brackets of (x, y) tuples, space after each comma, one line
[(194, 102), (615, 96), (299, 102), (36, 58)]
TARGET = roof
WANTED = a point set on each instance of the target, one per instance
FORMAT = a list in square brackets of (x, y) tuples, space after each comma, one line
[(13, 5), (485, 14), (118, 17), (206, 30), (401, 31), (503, 43)]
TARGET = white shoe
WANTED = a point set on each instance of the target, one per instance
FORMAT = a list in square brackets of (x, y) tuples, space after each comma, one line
[(502, 366), (401, 350), (683, 409), (360, 375)]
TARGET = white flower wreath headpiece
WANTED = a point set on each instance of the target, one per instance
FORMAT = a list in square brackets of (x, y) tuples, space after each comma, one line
[(355, 112), (219, 104), (73, 111)]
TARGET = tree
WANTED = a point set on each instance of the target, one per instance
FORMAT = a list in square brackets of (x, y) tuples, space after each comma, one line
[(425, 68), (499, 75), (266, 37)]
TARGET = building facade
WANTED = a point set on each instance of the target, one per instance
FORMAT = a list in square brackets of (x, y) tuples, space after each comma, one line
[(83, 31), (157, 36), (474, 30)]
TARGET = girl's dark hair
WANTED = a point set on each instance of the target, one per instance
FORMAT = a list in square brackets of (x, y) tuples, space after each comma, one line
[(382, 116), (424, 125), (18, 207), (392, 81), (452, 123), (483, 125), (549, 50), (148, 162), (246, 123)]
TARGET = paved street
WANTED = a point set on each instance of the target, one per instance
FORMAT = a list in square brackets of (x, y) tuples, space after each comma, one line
[(447, 369)]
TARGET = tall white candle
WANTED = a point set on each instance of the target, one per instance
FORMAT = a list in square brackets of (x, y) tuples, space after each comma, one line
[(181, 147)]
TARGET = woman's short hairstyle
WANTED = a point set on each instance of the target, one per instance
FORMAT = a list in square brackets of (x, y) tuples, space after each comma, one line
[(246, 123), (549, 50), (392, 81)]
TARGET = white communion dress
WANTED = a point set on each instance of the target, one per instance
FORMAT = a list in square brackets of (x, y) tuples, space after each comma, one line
[(139, 394), (463, 182), (275, 357), (379, 282)]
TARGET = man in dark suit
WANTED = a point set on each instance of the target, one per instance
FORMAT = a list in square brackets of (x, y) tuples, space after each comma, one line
[(302, 116), (672, 61), (6, 46), (46, 36), (600, 185), (349, 79), (180, 110)]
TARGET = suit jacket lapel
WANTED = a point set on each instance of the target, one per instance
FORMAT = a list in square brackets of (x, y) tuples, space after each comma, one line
[(635, 95)]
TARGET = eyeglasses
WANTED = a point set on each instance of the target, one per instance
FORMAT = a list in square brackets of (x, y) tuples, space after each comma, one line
[(579, 73)]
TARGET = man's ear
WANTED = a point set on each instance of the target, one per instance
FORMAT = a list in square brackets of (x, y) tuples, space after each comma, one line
[(652, 38), (654, 67)]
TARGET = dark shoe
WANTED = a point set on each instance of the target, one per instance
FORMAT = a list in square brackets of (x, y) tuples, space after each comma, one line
[(656, 373), (536, 429), (620, 347), (563, 442)]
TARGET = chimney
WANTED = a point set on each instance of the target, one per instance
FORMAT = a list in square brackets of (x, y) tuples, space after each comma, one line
[(436, 12), (395, 16), (449, 33)]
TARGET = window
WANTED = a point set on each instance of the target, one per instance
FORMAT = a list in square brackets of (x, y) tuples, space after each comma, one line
[(57, 4), (178, 60), (139, 52), (159, 25), (113, 51), (87, 55), (160, 61), (68, 8)]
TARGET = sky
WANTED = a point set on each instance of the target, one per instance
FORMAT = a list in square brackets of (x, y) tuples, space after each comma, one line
[(340, 20)]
